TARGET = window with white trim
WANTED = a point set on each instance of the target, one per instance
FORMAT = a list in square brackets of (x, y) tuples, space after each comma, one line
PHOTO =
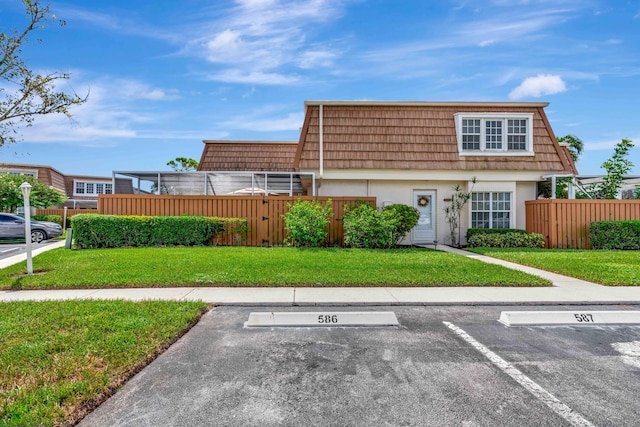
[(494, 134), (89, 188), (491, 210), (20, 173)]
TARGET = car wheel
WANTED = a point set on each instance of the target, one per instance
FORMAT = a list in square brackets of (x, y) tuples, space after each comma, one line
[(38, 236)]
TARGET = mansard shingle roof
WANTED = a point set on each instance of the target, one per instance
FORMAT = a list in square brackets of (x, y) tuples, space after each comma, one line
[(416, 135), (222, 155)]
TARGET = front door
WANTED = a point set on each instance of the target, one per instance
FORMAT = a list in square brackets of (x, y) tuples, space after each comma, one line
[(425, 202)]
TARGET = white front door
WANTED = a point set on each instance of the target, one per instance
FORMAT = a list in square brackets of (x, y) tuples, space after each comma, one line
[(425, 202)]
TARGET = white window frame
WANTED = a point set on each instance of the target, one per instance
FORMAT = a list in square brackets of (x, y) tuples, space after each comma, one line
[(21, 172), (95, 187), (504, 118), (491, 210)]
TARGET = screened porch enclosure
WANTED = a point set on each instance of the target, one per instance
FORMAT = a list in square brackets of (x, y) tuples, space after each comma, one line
[(216, 183)]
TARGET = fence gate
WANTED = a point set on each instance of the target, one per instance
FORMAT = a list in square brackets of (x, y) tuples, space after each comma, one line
[(263, 213)]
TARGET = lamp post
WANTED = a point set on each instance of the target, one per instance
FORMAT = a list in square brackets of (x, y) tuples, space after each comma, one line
[(26, 190)]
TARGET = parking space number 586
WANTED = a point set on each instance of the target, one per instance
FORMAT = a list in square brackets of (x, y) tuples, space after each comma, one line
[(328, 318)]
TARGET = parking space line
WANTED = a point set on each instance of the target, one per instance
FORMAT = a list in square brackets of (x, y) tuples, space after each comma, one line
[(7, 251), (531, 386)]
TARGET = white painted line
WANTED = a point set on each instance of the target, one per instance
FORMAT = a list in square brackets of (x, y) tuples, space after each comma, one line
[(630, 352), (532, 387), (577, 317), (323, 318), (6, 251)]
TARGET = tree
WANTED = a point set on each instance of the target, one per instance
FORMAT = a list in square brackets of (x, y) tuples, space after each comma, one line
[(183, 164), (42, 196), (25, 94), (453, 212), (617, 166), (576, 146)]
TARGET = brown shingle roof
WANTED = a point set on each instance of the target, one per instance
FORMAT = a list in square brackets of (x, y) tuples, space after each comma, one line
[(397, 135), (248, 156)]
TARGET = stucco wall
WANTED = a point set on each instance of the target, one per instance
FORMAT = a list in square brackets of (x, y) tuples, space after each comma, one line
[(393, 191)]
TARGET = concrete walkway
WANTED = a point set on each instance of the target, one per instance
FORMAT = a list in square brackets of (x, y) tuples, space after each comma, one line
[(565, 290)]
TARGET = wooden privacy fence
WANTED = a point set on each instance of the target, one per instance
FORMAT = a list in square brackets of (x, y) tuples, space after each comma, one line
[(70, 212), (263, 214), (565, 223)]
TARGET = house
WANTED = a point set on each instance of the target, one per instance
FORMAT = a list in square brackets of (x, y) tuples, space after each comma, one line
[(82, 191), (253, 167), (415, 153)]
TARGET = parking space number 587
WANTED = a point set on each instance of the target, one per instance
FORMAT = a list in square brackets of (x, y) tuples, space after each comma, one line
[(584, 318)]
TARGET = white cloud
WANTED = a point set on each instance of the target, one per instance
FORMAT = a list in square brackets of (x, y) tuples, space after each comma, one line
[(509, 24), (159, 95), (542, 84), (116, 23), (316, 58), (608, 144), (110, 113), (252, 77), (256, 40), (134, 89), (258, 122)]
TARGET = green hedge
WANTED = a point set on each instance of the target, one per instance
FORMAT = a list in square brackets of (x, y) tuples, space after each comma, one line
[(365, 227), (48, 217), (403, 217), (306, 222), (623, 235), (111, 231), (506, 240), (473, 231)]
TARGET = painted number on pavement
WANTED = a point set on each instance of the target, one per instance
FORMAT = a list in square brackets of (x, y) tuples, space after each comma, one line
[(583, 317), (328, 318)]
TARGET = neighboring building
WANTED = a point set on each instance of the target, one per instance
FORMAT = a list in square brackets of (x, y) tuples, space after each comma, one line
[(265, 156), (415, 153), (628, 190), (82, 191), (261, 160)]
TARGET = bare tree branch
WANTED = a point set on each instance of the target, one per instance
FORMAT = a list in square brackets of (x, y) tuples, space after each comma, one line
[(25, 94)]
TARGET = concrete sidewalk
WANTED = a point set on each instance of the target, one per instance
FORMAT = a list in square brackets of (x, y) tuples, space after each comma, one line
[(565, 290)]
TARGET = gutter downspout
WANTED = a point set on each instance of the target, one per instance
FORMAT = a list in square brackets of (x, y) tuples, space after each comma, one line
[(321, 141)]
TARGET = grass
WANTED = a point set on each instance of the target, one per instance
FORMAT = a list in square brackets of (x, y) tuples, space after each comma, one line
[(60, 359), (611, 268), (243, 266)]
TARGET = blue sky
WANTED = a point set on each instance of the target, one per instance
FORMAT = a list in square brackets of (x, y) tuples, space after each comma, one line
[(164, 75)]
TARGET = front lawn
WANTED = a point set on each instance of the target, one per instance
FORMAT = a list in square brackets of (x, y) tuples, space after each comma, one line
[(60, 359), (611, 268), (245, 266)]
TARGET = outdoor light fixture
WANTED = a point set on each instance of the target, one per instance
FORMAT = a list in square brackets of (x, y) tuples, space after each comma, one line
[(26, 190)]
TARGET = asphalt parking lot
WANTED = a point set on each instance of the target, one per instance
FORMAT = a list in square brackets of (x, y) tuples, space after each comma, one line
[(11, 248), (423, 372)]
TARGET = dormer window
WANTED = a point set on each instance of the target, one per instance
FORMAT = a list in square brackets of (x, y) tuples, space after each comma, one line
[(491, 134), (88, 188)]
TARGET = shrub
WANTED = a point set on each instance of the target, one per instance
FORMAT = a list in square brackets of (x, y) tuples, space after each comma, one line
[(615, 235), (473, 231), (236, 229), (403, 217), (306, 222), (506, 240), (365, 227), (48, 217), (111, 231)]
